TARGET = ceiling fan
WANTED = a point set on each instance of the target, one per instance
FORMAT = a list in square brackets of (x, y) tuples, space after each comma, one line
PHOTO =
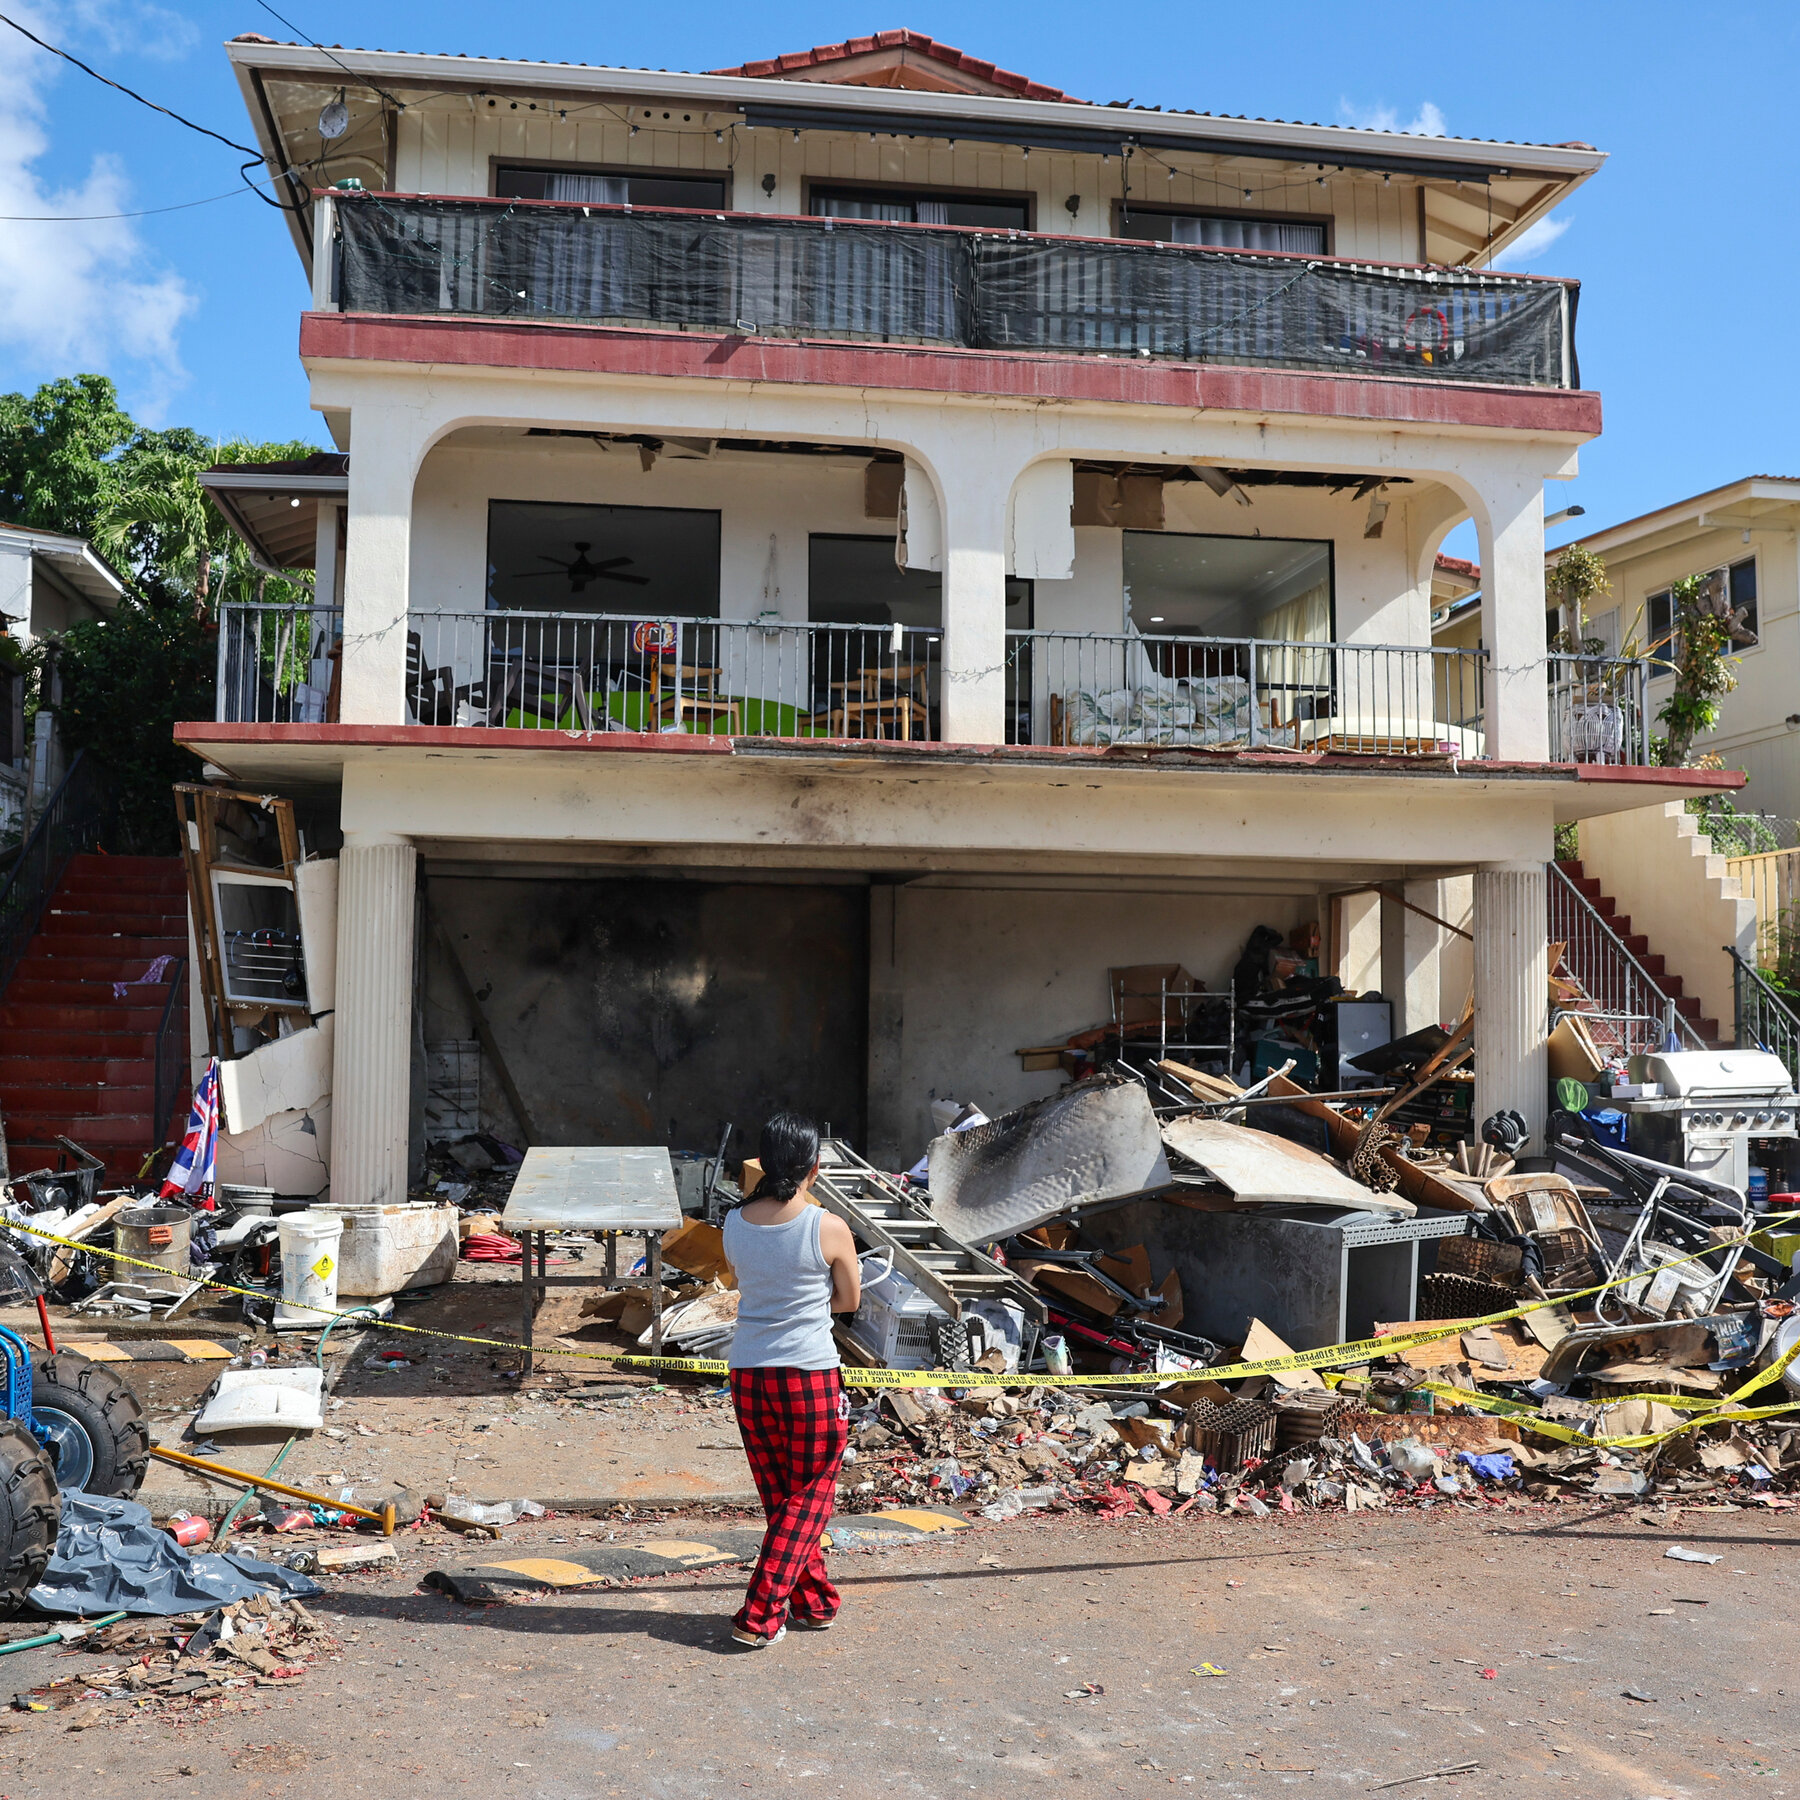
[(580, 573)]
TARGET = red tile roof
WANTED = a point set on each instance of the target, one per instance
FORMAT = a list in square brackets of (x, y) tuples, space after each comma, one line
[(823, 54)]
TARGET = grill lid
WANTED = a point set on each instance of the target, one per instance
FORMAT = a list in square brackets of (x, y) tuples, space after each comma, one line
[(1706, 1074)]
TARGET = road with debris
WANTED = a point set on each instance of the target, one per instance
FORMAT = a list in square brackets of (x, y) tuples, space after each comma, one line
[(1557, 1648)]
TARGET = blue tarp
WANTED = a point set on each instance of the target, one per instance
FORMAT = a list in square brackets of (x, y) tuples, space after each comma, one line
[(110, 1558)]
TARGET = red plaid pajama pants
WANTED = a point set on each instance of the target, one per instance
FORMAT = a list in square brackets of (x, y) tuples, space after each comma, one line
[(795, 1424)]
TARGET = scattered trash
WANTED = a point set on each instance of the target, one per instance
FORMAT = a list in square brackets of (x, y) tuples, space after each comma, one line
[(1677, 1553)]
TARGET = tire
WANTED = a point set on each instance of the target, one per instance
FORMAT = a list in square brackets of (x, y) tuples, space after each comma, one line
[(94, 1425), (950, 1343), (30, 1512)]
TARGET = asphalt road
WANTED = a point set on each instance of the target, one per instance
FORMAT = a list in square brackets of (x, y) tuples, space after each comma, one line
[(1064, 1656)]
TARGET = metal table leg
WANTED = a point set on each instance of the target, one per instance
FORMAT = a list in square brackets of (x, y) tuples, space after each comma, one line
[(656, 1291), (525, 1290)]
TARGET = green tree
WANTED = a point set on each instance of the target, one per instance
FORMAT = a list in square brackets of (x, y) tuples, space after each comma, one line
[(1700, 641), (72, 460)]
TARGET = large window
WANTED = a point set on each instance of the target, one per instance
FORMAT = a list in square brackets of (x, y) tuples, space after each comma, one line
[(621, 187), (651, 562), (1224, 231), (1182, 585), (921, 206), (854, 581), (1659, 610)]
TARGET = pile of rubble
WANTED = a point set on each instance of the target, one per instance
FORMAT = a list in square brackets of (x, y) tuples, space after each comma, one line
[(179, 1664)]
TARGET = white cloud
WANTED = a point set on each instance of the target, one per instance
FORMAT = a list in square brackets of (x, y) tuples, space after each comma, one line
[(1428, 121), (1533, 241), (134, 27), (80, 296)]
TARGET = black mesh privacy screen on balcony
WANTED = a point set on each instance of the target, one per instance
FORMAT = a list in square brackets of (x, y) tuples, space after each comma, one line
[(858, 279)]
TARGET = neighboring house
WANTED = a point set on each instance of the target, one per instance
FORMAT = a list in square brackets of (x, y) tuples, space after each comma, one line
[(1745, 531), (837, 553), (48, 582)]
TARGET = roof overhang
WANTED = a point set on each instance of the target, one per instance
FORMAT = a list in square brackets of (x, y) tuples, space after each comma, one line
[(1757, 500), (275, 510), (1519, 183), (71, 561)]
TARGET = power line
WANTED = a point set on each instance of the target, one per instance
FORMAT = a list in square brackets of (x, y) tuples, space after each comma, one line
[(204, 130), (146, 213)]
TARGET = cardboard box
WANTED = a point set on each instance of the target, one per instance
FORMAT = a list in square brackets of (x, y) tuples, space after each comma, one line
[(1138, 992)]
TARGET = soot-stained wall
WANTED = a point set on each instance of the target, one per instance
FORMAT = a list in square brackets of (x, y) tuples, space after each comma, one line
[(646, 1011)]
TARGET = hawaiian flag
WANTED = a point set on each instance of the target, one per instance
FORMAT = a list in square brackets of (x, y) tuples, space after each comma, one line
[(193, 1169)]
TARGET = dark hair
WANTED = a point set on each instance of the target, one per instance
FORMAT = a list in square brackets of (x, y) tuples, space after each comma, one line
[(787, 1150)]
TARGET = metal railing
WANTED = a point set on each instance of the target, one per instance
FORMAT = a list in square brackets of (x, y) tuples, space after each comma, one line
[(982, 289), (1764, 1019), (278, 663), (171, 1052), (1225, 693), (1599, 710), (1614, 984), (559, 671), (74, 820)]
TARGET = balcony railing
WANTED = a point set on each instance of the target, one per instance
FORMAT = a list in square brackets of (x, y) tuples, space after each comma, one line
[(1242, 693), (1599, 710), (866, 279), (279, 664)]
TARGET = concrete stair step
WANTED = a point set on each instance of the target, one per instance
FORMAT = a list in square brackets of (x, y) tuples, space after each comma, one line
[(112, 898), (90, 1130), (104, 969), (116, 1016), (43, 1100), (81, 1070), (39, 1038), (85, 995), (126, 946)]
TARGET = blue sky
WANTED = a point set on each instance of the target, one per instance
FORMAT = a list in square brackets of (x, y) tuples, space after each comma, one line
[(1685, 242)]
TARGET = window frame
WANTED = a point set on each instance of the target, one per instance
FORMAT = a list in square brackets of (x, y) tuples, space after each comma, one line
[(1661, 669), (631, 171), (1330, 547), (829, 184), (716, 514), (1165, 209)]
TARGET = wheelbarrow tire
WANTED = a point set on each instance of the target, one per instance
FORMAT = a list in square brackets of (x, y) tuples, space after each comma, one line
[(29, 1516), (88, 1399)]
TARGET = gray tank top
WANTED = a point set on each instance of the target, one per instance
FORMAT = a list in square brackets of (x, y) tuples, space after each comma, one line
[(784, 1294)]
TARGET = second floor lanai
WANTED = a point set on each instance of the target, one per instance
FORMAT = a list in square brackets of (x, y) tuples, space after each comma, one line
[(877, 393)]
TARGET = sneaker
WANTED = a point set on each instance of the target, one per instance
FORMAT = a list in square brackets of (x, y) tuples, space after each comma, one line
[(801, 1623), (751, 1641)]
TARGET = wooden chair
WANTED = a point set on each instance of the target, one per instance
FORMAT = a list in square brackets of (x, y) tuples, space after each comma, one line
[(430, 693), (696, 691), (885, 693)]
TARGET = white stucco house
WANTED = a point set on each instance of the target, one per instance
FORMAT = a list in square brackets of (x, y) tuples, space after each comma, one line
[(833, 555), (48, 582)]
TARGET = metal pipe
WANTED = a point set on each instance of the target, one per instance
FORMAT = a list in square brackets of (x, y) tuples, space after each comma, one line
[(384, 1518), (56, 1637)]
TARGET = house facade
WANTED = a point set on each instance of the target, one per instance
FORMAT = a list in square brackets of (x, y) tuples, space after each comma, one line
[(833, 555)]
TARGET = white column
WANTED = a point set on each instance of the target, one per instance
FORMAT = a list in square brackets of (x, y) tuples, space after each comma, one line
[(974, 517), (384, 460), (372, 1066), (1510, 524), (1512, 979)]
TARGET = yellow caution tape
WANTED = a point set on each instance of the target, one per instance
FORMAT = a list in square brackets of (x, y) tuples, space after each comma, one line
[(1329, 1356), (1728, 1413)]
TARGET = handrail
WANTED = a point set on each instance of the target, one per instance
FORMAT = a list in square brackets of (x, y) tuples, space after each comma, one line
[(1761, 1016), (167, 1079), (1597, 957), (39, 865)]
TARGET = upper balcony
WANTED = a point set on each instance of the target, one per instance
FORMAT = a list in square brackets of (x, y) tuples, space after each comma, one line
[(870, 281)]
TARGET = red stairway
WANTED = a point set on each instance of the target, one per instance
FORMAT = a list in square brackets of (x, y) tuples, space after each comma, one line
[(76, 1061), (1639, 946)]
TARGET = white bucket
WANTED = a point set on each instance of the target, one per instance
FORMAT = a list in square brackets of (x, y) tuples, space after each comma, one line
[(309, 1267)]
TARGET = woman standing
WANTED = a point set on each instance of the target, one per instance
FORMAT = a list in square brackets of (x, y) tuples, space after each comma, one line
[(795, 1266)]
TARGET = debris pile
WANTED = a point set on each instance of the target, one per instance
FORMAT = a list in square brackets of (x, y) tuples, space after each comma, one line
[(176, 1665)]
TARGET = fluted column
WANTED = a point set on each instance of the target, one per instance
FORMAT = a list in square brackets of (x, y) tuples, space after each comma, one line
[(1512, 979), (372, 1070)]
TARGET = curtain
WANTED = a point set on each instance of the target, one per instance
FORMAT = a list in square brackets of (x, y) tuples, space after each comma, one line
[(588, 190), (1297, 680), (1250, 234), (833, 206), (934, 212)]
